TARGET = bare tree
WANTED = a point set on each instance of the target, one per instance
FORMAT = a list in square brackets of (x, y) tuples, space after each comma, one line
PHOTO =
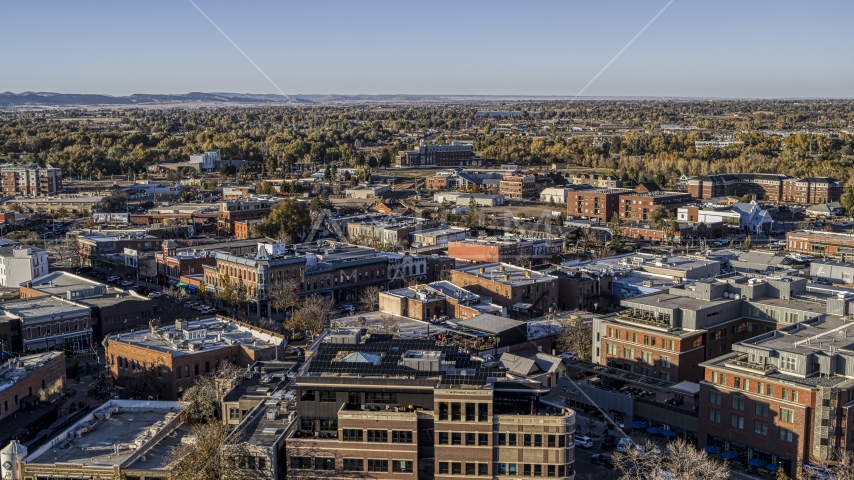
[(683, 461), (388, 325), (204, 398), (369, 299), (313, 316), (285, 294), (840, 466), (640, 461), (575, 337), (203, 458)]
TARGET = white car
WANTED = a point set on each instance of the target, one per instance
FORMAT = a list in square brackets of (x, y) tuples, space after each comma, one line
[(127, 283), (155, 295), (583, 441)]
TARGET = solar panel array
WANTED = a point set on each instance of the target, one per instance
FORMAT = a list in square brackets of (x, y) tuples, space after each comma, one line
[(326, 360)]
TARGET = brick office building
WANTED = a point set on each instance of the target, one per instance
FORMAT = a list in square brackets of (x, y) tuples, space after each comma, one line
[(639, 206), (767, 186), (179, 354), (813, 242), (409, 411), (599, 204), (531, 251), (232, 211), (812, 190), (431, 156), (784, 397), (30, 180), (518, 186), (519, 290), (23, 379), (668, 335)]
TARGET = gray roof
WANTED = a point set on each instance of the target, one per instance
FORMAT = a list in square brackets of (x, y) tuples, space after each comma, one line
[(491, 323)]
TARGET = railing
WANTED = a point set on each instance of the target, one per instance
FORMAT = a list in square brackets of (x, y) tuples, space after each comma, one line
[(739, 362), (667, 407)]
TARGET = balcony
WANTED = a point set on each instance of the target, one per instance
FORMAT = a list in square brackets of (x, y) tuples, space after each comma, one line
[(741, 362), (647, 318)]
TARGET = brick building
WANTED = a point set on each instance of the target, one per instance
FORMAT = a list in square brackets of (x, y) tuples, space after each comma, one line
[(518, 186), (519, 290), (812, 190), (515, 250), (232, 211), (819, 243), (582, 290), (668, 335), (407, 412), (599, 204), (179, 354), (435, 300), (639, 206), (784, 397), (768, 187), (24, 379), (431, 156), (47, 323), (172, 264), (243, 228), (30, 180)]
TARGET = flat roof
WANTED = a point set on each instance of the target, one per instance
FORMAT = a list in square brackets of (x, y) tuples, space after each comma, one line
[(57, 283), (516, 275), (667, 300), (490, 323), (41, 307), (19, 367), (131, 424)]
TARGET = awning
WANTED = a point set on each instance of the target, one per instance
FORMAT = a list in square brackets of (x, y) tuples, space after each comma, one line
[(193, 288), (182, 284)]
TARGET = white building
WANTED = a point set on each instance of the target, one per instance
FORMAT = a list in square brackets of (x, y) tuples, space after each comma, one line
[(743, 216), (554, 194), (464, 199), (20, 263), (206, 161)]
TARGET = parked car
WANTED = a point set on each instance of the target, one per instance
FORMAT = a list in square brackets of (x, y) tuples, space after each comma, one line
[(608, 442), (602, 459), (112, 278), (297, 351), (348, 308), (127, 283), (155, 294), (583, 441)]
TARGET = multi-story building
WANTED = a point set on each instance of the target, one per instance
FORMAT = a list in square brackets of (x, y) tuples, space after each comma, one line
[(582, 289), (92, 249), (741, 216), (179, 354), (413, 409), (325, 268), (812, 190), (404, 268), (437, 236), (28, 379), (435, 300), (515, 250), (767, 186), (599, 204), (639, 206), (432, 156), (518, 186), (387, 230), (20, 263), (30, 180), (814, 242), (784, 396), (172, 264), (207, 161), (47, 323), (519, 290), (240, 210), (668, 335)]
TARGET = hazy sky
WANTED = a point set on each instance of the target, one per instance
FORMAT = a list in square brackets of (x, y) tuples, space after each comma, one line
[(720, 48)]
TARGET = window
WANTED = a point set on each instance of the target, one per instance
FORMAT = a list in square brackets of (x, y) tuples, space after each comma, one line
[(301, 463), (378, 465), (456, 468), (482, 412), (470, 439), (482, 469), (324, 463), (443, 438), (483, 439), (526, 469), (714, 397), (470, 412), (762, 409), (197, 369), (784, 396), (714, 377), (352, 435), (526, 440), (738, 403), (760, 427), (538, 470), (511, 439), (551, 441), (561, 441), (378, 436), (612, 349), (401, 436), (456, 438), (714, 415), (471, 468), (786, 434), (502, 439), (307, 396), (665, 361), (788, 363), (646, 357), (381, 397), (736, 382), (769, 390), (456, 414), (787, 415), (628, 353), (550, 471), (443, 468), (327, 397), (443, 410), (737, 421), (795, 396), (538, 440), (234, 414), (353, 465), (511, 468), (401, 466)]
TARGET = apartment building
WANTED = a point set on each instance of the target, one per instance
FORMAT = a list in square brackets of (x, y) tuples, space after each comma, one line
[(668, 335), (20, 264), (414, 409), (521, 291), (179, 354), (639, 206), (518, 186), (30, 180), (431, 156), (784, 397), (768, 187), (598, 204), (812, 190)]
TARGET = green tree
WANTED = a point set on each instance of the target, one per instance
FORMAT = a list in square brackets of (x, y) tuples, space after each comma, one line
[(265, 188), (847, 201), (618, 235), (748, 242), (320, 202), (287, 217), (327, 173)]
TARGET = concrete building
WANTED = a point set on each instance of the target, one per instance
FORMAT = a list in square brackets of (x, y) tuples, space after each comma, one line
[(119, 439), (207, 161), (30, 180), (179, 354), (519, 290), (432, 156), (507, 249), (464, 199), (373, 190), (557, 195), (785, 396), (399, 391), (831, 271), (437, 236), (20, 263)]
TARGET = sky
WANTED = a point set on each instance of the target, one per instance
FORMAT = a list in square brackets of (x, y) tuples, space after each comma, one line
[(695, 48)]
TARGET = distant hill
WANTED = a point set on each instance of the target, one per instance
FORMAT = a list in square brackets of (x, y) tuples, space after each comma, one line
[(51, 99)]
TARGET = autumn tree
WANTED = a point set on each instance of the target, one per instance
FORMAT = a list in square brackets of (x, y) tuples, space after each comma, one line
[(287, 216), (618, 234)]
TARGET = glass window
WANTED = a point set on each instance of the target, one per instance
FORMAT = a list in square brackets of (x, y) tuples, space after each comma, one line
[(300, 463), (327, 397), (401, 466), (738, 403), (538, 470), (354, 465), (471, 468), (787, 415), (378, 436), (714, 415), (456, 468), (502, 439), (483, 439), (482, 412), (381, 397), (443, 468), (786, 434), (762, 409), (482, 469), (378, 466), (456, 413), (665, 361), (470, 407), (511, 439), (511, 468), (456, 438), (760, 427), (401, 436), (551, 441), (714, 397), (470, 439), (538, 440), (443, 438), (737, 421), (324, 463), (443, 410), (352, 435), (526, 440)]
